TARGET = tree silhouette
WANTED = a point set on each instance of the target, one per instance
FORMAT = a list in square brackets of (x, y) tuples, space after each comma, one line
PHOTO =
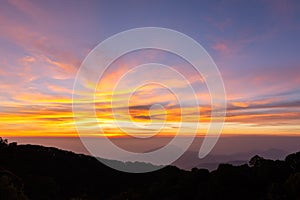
[(37, 172)]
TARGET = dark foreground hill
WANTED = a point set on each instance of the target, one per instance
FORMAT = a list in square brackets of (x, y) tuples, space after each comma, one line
[(37, 172)]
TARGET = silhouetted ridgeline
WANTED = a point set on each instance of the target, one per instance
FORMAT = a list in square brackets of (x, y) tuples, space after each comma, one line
[(37, 172)]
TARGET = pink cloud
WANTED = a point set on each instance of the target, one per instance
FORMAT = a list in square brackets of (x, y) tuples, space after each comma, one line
[(35, 40), (59, 89), (27, 7), (221, 47)]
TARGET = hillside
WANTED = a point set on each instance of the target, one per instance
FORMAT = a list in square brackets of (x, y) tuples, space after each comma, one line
[(37, 172)]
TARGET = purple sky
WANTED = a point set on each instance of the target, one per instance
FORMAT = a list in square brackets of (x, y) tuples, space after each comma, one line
[(255, 44)]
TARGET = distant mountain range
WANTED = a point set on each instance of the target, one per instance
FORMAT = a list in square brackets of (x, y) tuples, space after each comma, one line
[(190, 159)]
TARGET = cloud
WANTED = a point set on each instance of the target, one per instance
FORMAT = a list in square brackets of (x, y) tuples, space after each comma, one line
[(264, 112), (38, 41), (39, 63), (28, 8), (221, 47), (59, 89)]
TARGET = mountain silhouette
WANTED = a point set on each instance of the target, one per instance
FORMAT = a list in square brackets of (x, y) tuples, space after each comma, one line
[(37, 172), (190, 159)]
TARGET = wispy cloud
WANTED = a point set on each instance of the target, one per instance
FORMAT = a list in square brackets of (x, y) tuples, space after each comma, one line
[(41, 52)]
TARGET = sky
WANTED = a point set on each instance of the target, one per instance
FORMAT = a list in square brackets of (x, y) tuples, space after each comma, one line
[(255, 45)]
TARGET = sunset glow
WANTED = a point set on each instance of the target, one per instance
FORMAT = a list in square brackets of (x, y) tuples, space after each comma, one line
[(43, 46)]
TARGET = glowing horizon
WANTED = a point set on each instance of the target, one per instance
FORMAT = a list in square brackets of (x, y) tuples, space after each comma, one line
[(259, 65)]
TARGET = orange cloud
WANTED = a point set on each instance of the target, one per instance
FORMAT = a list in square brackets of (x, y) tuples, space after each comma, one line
[(40, 98), (68, 68)]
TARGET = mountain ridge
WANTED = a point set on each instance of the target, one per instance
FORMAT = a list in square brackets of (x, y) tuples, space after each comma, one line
[(37, 172)]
